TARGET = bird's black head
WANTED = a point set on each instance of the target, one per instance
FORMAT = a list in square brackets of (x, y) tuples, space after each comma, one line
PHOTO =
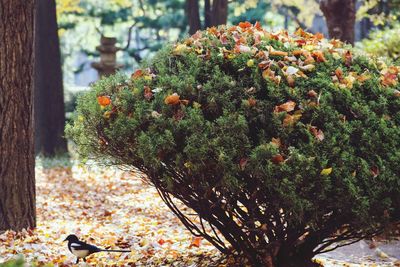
[(72, 238)]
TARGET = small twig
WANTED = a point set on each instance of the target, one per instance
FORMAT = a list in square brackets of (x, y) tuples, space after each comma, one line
[(142, 7), (129, 36), (286, 12), (99, 31)]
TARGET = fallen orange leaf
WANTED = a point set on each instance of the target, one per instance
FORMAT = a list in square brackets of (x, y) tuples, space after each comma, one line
[(196, 241), (288, 106)]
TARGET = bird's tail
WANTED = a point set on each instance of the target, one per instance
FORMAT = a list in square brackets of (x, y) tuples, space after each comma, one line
[(115, 250)]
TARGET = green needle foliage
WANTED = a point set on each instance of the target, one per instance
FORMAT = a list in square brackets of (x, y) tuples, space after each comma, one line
[(286, 145)]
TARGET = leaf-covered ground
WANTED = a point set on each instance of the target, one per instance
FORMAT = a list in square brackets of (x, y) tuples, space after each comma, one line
[(111, 209)]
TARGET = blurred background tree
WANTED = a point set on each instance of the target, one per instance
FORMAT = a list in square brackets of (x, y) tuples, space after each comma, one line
[(49, 98), (155, 23)]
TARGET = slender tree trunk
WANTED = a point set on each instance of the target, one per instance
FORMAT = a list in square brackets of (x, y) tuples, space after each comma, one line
[(340, 16), (49, 96), (17, 176), (207, 14), (219, 12), (193, 15)]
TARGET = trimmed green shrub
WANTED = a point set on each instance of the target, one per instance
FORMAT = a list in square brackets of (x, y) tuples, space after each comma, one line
[(287, 145)]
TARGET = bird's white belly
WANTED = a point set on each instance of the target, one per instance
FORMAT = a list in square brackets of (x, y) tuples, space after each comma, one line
[(80, 253)]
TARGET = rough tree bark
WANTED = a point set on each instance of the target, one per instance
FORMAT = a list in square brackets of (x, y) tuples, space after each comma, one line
[(17, 177), (215, 13), (219, 12), (49, 97), (340, 16), (193, 15)]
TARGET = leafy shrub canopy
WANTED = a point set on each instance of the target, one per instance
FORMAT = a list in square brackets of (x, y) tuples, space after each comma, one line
[(278, 140)]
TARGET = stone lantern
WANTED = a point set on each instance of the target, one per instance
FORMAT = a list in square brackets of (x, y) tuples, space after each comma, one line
[(108, 57)]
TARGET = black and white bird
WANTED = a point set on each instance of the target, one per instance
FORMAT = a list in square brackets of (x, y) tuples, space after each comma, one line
[(82, 250)]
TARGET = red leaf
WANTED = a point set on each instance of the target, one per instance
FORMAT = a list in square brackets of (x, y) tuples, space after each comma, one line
[(243, 163), (277, 159), (319, 134), (252, 102), (245, 25), (339, 74), (107, 213), (258, 26), (148, 94), (137, 74), (348, 58), (374, 171), (319, 56)]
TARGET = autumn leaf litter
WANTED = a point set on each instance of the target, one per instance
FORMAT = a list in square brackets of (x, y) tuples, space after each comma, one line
[(112, 209)]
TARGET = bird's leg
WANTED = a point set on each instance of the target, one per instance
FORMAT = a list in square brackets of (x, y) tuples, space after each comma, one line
[(77, 260)]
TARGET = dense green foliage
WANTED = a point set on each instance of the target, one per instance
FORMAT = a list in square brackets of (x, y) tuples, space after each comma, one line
[(19, 262), (281, 142)]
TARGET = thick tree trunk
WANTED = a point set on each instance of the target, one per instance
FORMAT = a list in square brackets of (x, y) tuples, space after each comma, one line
[(219, 12), (340, 16), (49, 97), (193, 15), (17, 176)]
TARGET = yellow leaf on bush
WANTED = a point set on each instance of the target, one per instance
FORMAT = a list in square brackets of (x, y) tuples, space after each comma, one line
[(250, 63), (107, 114), (326, 171), (180, 49), (196, 105), (290, 120), (276, 142)]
